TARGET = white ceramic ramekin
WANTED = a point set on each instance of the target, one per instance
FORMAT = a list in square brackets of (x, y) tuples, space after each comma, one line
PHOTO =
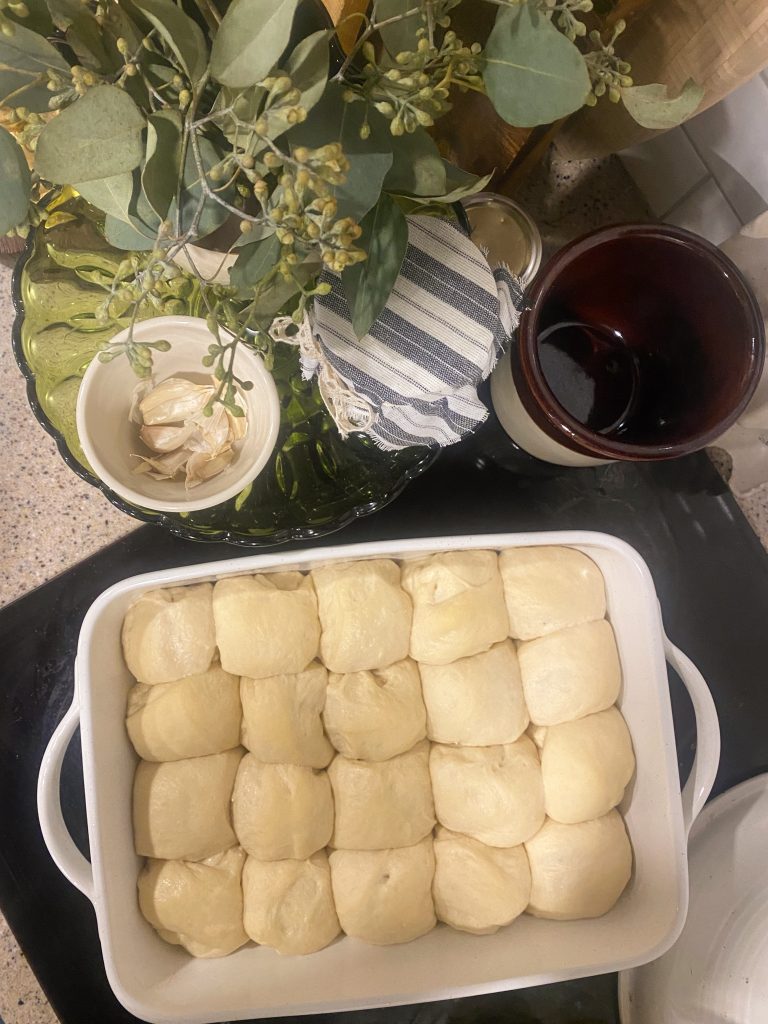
[(110, 440), (161, 983)]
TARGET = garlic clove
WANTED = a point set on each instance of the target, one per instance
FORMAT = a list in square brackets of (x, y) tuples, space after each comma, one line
[(166, 437), (138, 395), (164, 467), (202, 467), (211, 433), (238, 426), (174, 401)]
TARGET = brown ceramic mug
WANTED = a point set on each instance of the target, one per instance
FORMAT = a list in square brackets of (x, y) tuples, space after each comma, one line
[(636, 342)]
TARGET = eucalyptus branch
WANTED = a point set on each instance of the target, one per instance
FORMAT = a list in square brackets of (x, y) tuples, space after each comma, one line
[(366, 35)]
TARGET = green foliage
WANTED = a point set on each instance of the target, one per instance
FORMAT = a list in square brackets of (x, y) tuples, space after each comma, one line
[(369, 158), (14, 173), (175, 121), (533, 73), (25, 58), (160, 176), (367, 285), (250, 40), (183, 35), (97, 137), (652, 107), (417, 168), (254, 263)]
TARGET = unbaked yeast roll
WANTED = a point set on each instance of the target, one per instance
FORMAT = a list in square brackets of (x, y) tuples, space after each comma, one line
[(494, 794), (578, 870), (570, 673), (168, 634), (476, 701), (479, 888), (266, 625), (281, 811), (458, 605), (385, 896), (186, 718), (289, 904), (365, 615), (196, 905), (381, 804), (550, 588)]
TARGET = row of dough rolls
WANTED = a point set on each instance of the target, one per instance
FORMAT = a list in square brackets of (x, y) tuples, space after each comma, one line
[(386, 877), (359, 616)]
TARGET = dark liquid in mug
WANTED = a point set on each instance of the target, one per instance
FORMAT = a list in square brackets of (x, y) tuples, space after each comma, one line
[(642, 342), (605, 382)]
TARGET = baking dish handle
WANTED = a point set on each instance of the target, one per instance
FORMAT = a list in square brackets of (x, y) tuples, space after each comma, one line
[(707, 758), (68, 859)]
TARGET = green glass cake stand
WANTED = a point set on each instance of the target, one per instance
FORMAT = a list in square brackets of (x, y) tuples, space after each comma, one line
[(314, 483)]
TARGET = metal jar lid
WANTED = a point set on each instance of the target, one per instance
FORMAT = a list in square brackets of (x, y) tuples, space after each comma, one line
[(505, 232)]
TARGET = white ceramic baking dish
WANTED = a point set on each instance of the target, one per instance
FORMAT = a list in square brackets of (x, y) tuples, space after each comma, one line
[(161, 983)]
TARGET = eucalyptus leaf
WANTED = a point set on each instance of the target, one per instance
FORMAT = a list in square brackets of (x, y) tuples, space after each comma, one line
[(250, 40), (333, 120), (367, 285), (181, 33), (160, 176), (14, 173), (254, 261), (308, 66), (126, 236), (110, 195), (38, 18), (400, 35), (24, 58), (84, 34), (117, 24), (652, 107), (213, 213), (274, 299), (460, 183), (98, 136), (417, 168), (533, 73)]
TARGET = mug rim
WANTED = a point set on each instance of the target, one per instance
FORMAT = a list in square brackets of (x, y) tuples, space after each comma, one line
[(540, 401)]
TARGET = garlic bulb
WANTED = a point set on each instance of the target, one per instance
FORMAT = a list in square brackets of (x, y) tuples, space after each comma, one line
[(174, 427)]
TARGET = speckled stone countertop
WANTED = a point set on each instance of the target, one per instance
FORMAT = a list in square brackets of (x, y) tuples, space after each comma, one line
[(51, 519)]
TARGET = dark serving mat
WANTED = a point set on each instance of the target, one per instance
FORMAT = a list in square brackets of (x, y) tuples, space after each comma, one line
[(711, 574)]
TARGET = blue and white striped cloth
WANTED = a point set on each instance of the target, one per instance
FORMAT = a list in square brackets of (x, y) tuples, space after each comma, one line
[(413, 379)]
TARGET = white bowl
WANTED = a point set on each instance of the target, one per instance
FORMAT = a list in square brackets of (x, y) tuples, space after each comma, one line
[(109, 438), (161, 983)]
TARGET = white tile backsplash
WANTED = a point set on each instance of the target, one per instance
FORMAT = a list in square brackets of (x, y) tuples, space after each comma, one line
[(711, 174), (707, 212), (665, 169)]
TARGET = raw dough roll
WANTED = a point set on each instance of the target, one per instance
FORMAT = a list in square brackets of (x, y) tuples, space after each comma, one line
[(375, 715), (382, 804), (578, 870), (289, 904), (197, 906), (365, 614), (385, 896), (494, 794), (281, 717), (267, 624), (585, 766), (168, 634), (478, 888), (187, 718), (181, 809), (571, 673), (281, 811), (550, 588), (458, 605), (476, 701)]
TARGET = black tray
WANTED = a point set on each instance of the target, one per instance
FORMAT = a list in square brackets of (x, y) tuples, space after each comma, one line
[(711, 574)]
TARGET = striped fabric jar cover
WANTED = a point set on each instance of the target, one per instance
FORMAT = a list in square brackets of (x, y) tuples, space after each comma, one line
[(412, 380)]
